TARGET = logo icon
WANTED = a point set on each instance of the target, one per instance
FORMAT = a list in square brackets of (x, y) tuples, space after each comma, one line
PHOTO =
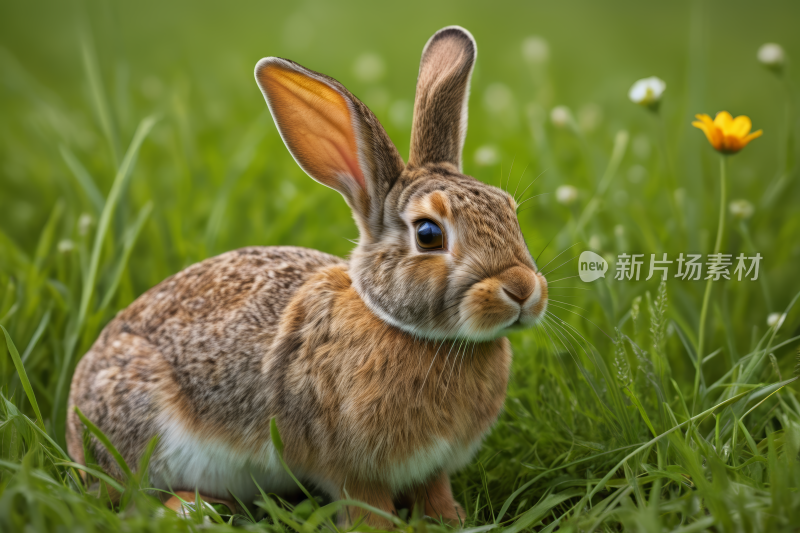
[(591, 266)]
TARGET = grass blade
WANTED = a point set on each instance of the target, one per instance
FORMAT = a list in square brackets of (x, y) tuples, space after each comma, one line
[(130, 240), (23, 377), (84, 179), (94, 430), (122, 176)]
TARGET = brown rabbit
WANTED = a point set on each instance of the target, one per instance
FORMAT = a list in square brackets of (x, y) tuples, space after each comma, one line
[(383, 372)]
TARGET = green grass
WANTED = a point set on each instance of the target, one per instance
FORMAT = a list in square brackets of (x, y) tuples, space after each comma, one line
[(134, 142)]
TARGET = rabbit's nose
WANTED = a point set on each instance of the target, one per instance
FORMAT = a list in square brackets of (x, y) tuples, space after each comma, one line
[(518, 283)]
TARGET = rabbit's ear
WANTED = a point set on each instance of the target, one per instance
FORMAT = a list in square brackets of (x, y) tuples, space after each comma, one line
[(440, 106), (332, 135)]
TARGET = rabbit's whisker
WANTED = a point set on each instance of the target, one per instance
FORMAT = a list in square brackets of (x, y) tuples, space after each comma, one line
[(529, 199), (566, 303), (586, 319), (455, 361), (566, 324), (531, 183), (518, 182), (422, 387), (559, 255), (545, 248), (508, 181), (568, 277), (559, 266)]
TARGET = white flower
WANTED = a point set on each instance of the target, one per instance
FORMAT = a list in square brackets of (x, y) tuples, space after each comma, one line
[(535, 50), (772, 56), (497, 98), (741, 209), (561, 116), (369, 67), (84, 223), (566, 194), (775, 320), (647, 91), (486, 156), (65, 246)]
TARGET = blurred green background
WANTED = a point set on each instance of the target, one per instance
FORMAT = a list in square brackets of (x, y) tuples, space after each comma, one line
[(77, 78)]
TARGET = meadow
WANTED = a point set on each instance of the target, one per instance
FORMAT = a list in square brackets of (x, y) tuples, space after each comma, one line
[(134, 142)]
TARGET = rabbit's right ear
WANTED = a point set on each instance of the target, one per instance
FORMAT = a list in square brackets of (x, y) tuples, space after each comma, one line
[(333, 136), (440, 105)]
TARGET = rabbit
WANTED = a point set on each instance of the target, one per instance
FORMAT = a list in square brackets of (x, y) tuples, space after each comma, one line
[(383, 372)]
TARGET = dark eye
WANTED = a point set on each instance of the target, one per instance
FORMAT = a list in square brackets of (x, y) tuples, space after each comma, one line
[(429, 235)]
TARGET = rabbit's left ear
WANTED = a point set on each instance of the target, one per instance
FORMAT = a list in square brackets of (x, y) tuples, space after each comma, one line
[(440, 105), (332, 135)]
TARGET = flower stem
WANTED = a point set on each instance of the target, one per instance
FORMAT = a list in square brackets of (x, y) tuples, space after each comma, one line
[(707, 295)]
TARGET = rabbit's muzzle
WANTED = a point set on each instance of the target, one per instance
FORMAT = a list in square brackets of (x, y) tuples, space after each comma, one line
[(515, 298)]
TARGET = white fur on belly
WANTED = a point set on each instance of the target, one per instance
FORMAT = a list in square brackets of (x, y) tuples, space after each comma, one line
[(439, 455), (186, 460)]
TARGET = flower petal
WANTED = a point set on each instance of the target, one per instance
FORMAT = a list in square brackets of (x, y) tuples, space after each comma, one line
[(754, 135), (708, 130), (746, 140), (704, 118), (741, 126), (723, 120)]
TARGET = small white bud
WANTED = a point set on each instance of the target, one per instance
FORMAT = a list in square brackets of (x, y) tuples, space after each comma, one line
[(497, 98), (561, 116), (369, 67), (486, 156), (595, 243), (775, 320), (772, 56), (535, 50), (647, 91), (85, 222), (566, 194), (741, 209), (65, 246)]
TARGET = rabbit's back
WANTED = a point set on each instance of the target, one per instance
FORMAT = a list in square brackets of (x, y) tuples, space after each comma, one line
[(224, 308), (194, 342)]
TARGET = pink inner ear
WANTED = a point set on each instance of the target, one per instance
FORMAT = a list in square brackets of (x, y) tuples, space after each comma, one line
[(353, 168), (316, 123)]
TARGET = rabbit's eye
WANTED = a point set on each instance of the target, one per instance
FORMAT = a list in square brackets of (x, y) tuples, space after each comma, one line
[(429, 235)]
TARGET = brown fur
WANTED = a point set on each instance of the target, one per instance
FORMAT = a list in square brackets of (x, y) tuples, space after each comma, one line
[(383, 372)]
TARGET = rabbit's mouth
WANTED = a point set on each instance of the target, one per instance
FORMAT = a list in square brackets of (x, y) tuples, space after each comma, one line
[(513, 300)]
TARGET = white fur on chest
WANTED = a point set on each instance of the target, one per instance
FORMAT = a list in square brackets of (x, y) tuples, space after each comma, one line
[(186, 460), (440, 455)]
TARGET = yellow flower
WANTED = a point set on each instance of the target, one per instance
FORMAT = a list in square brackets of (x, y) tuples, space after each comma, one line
[(725, 133)]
